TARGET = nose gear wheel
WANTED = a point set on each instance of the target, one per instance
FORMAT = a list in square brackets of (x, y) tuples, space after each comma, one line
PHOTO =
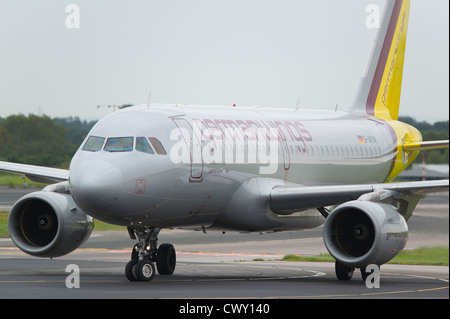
[(145, 254)]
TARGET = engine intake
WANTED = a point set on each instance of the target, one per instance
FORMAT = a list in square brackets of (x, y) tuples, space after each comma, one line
[(48, 224), (359, 233)]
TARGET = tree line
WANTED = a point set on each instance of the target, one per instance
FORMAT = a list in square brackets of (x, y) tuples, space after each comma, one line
[(431, 132), (41, 140)]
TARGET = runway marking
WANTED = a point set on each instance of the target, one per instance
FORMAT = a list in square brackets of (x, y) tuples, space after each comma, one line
[(358, 295), (419, 276), (28, 281), (4, 251), (261, 279), (181, 253), (306, 274), (269, 297), (55, 281)]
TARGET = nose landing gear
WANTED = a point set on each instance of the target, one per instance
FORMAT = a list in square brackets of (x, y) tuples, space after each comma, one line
[(145, 253)]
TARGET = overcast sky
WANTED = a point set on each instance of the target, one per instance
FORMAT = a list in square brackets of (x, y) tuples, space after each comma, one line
[(209, 52)]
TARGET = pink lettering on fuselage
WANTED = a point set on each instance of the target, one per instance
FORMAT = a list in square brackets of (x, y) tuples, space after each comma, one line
[(293, 132)]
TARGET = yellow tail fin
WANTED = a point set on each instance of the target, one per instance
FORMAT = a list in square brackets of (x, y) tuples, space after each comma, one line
[(380, 87)]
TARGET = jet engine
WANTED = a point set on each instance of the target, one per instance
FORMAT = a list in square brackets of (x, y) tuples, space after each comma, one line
[(48, 224), (359, 233)]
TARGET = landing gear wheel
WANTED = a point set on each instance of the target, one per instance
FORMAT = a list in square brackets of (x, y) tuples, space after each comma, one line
[(166, 259), (364, 274), (146, 252), (145, 270), (343, 272), (130, 270)]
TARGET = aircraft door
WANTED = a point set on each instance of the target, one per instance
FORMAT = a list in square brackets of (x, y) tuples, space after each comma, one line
[(283, 144), (193, 143), (285, 151)]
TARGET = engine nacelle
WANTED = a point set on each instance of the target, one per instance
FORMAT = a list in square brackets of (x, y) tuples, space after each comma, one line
[(48, 224), (359, 233)]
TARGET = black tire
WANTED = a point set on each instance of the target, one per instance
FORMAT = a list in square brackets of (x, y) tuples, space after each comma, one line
[(343, 272), (166, 259), (364, 274), (145, 270), (130, 270)]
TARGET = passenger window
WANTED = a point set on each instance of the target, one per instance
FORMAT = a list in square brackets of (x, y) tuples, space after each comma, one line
[(93, 144), (119, 144), (159, 148), (143, 146)]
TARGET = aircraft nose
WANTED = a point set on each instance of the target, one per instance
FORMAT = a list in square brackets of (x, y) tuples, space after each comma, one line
[(95, 185)]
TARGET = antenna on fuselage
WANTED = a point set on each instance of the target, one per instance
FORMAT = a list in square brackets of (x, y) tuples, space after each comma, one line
[(297, 106), (149, 99)]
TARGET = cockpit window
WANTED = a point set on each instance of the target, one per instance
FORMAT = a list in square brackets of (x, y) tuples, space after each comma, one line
[(119, 144), (159, 148), (142, 145), (94, 144)]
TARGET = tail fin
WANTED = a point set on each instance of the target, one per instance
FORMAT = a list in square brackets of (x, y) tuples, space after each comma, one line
[(379, 90)]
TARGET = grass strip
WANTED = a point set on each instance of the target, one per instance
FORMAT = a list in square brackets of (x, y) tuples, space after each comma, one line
[(437, 256), (14, 181)]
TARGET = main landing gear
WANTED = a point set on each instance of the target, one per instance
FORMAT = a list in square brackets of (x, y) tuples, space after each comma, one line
[(145, 254), (344, 272)]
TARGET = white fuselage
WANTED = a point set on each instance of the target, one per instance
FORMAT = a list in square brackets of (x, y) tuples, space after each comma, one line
[(172, 188)]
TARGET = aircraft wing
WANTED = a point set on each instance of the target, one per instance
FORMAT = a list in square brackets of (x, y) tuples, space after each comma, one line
[(38, 174), (285, 200)]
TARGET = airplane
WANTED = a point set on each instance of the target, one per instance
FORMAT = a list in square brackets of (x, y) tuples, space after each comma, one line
[(248, 169)]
